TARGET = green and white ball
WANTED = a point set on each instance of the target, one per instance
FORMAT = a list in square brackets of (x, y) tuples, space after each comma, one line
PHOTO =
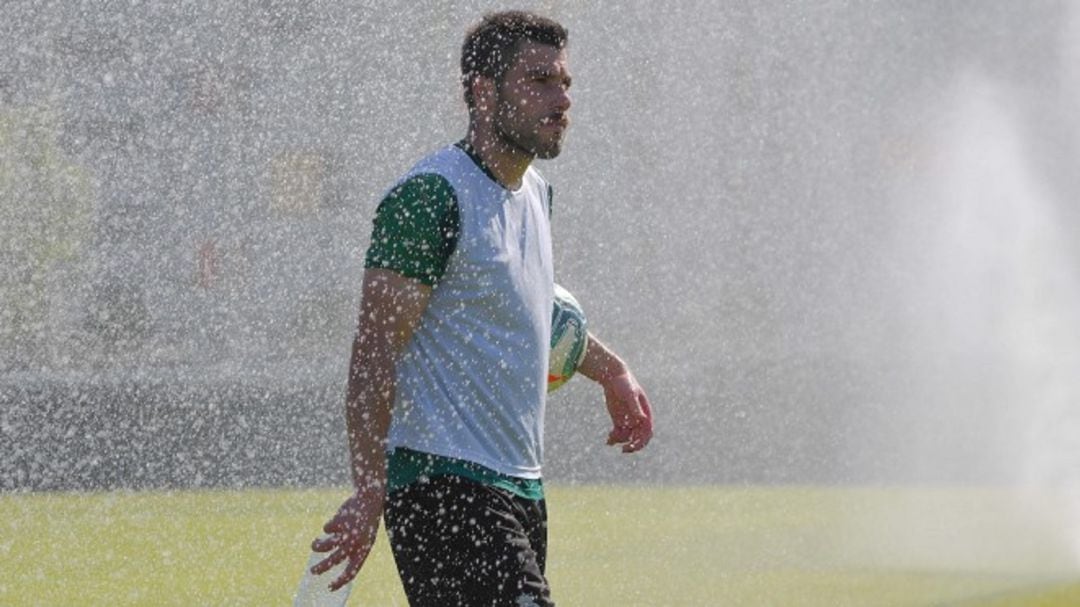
[(569, 337)]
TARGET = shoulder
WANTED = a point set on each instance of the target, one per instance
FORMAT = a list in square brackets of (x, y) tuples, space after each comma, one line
[(422, 188), (450, 162), (416, 227), (422, 206)]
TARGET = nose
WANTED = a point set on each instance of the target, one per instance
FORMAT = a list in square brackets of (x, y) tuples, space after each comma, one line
[(563, 102)]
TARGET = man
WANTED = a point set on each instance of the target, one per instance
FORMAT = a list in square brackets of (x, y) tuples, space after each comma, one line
[(448, 373)]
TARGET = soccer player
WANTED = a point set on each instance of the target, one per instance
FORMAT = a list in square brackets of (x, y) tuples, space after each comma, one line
[(448, 374)]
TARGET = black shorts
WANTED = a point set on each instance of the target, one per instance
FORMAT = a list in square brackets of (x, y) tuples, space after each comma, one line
[(460, 542)]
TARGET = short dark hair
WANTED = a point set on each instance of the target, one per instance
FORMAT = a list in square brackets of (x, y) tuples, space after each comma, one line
[(490, 45)]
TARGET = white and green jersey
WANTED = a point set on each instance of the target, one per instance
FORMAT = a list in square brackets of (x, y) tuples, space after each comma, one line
[(472, 381)]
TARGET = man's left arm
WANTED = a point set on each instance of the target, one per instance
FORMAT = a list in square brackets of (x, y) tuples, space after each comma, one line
[(627, 404)]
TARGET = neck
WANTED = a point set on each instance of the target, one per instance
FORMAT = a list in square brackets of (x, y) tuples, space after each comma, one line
[(506, 162)]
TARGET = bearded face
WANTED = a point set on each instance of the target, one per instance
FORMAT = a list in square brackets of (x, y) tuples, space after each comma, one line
[(532, 101)]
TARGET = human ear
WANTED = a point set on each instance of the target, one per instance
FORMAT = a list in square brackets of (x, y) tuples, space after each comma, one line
[(483, 90)]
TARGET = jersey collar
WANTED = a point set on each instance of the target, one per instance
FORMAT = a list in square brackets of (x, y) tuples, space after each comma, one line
[(471, 152)]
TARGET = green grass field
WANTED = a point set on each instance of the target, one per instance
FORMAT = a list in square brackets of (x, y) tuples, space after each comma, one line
[(609, 546)]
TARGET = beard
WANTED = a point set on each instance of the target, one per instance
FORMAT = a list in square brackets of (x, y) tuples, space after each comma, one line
[(523, 134)]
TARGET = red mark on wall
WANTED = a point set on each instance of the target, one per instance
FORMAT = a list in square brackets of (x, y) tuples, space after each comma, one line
[(207, 264)]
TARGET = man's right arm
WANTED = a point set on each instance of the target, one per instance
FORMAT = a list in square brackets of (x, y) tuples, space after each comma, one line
[(390, 311), (415, 231)]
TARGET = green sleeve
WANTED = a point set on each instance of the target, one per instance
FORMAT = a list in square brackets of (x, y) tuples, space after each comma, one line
[(416, 229)]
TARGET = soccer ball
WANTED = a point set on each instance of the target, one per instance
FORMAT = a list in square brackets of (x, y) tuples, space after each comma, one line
[(569, 337)]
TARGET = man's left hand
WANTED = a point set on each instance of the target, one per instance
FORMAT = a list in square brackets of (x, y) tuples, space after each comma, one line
[(631, 415)]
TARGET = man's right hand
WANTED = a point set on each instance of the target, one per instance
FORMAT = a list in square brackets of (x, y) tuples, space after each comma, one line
[(350, 535), (390, 310)]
